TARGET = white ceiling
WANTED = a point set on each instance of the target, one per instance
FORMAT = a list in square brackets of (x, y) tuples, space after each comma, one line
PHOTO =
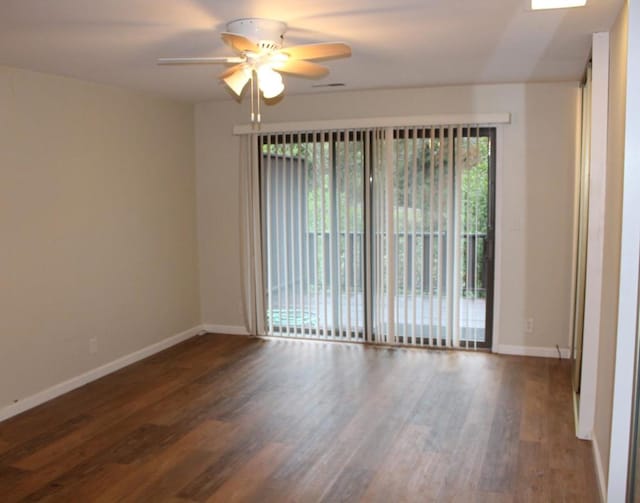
[(396, 43)]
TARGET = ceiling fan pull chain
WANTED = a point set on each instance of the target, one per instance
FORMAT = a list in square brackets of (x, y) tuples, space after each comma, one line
[(253, 116), (258, 98)]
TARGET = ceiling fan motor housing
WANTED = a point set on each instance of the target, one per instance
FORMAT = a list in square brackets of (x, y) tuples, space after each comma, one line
[(268, 34)]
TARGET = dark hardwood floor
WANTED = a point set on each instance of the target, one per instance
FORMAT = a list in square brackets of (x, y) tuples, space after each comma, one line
[(229, 418)]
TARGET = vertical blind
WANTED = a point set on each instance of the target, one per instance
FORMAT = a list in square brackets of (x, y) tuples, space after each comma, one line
[(377, 235), (313, 199)]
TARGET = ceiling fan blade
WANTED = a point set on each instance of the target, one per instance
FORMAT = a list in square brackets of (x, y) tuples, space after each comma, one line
[(318, 51), (199, 61), (237, 80), (230, 71), (239, 43), (301, 68)]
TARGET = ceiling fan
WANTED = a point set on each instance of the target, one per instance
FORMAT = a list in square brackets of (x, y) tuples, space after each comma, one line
[(261, 57)]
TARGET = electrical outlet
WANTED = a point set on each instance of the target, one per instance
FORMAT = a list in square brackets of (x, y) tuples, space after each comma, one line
[(528, 325), (93, 345)]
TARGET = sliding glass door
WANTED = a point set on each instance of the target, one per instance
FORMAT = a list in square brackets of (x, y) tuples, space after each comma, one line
[(380, 235), (313, 207), (443, 235)]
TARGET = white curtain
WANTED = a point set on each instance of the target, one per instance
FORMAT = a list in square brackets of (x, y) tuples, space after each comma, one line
[(251, 247), (369, 235)]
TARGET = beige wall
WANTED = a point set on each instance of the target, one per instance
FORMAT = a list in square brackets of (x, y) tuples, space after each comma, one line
[(97, 221), (535, 189), (612, 235)]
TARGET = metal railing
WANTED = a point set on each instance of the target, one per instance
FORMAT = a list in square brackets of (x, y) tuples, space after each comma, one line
[(421, 270)]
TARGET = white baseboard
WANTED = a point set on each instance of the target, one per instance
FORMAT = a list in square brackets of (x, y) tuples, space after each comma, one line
[(602, 481), (581, 431), (75, 382), (225, 329), (582, 435), (541, 352)]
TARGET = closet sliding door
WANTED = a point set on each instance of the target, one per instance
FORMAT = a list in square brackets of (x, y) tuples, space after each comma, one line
[(582, 220)]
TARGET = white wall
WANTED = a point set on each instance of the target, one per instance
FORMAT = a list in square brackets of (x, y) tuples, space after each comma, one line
[(97, 221), (536, 193), (628, 155)]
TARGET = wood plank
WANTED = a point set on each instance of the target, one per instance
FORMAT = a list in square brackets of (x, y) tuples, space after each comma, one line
[(533, 418), (41, 441), (349, 486), (227, 418), (500, 462), (103, 418), (210, 480), (88, 487), (412, 468), (109, 390), (175, 466), (487, 497), (10, 475), (171, 383), (463, 465), (247, 480), (533, 475)]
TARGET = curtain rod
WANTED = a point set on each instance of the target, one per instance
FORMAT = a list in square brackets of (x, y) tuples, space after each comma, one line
[(377, 122)]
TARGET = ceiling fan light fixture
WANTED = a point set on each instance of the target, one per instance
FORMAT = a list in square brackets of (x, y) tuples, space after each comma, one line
[(269, 82), (238, 80), (556, 4), (279, 57)]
